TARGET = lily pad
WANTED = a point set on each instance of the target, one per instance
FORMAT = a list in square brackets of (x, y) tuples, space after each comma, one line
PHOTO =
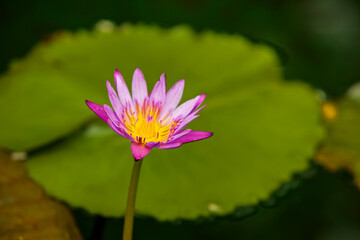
[(265, 129), (341, 148), (43, 94), (38, 110), (263, 134)]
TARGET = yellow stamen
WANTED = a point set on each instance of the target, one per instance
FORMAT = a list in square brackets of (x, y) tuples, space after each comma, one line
[(145, 126)]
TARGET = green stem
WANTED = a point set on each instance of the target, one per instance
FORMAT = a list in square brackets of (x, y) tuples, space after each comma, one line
[(130, 207)]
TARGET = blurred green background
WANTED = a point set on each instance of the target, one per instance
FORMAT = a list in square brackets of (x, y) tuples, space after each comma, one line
[(318, 42)]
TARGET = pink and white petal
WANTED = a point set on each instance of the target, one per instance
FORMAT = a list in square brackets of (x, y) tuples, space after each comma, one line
[(115, 128), (126, 135), (185, 122), (97, 109), (179, 135), (200, 101), (139, 151), (185, 109), (194, 136), (173, 98), (122, 89), (158, 93), (118, 123), (139, 88), (112, 116), (153, 144), (170, 145), (115, 102), (198, 110), (119, 130), (188, 119)]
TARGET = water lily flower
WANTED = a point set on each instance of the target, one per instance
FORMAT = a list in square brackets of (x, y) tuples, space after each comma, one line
[(150, 121)]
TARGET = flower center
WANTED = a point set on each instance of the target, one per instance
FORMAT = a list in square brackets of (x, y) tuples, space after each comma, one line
[(145, 126)]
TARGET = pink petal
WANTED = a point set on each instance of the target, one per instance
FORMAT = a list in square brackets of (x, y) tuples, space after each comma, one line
[(119, 130), (170, 145), (139, 88), (118, 122), (188, 119), (200, 101), (112, 116), (185, 109), (176, 136), (97, 109), (153, 144), (122, 89), (139, 150), (185, 122), (173, 98), (194, 136), (115, 128), (198, 110), (115, 102), (158, 93)]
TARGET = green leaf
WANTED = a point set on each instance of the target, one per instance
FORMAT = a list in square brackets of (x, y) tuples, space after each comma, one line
[(265, 129), (44, 93), (39, 107), (341, 148), (262, 135)]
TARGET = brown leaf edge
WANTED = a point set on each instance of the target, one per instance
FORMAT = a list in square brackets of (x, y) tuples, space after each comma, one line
[(335, 159), (26, 212)]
